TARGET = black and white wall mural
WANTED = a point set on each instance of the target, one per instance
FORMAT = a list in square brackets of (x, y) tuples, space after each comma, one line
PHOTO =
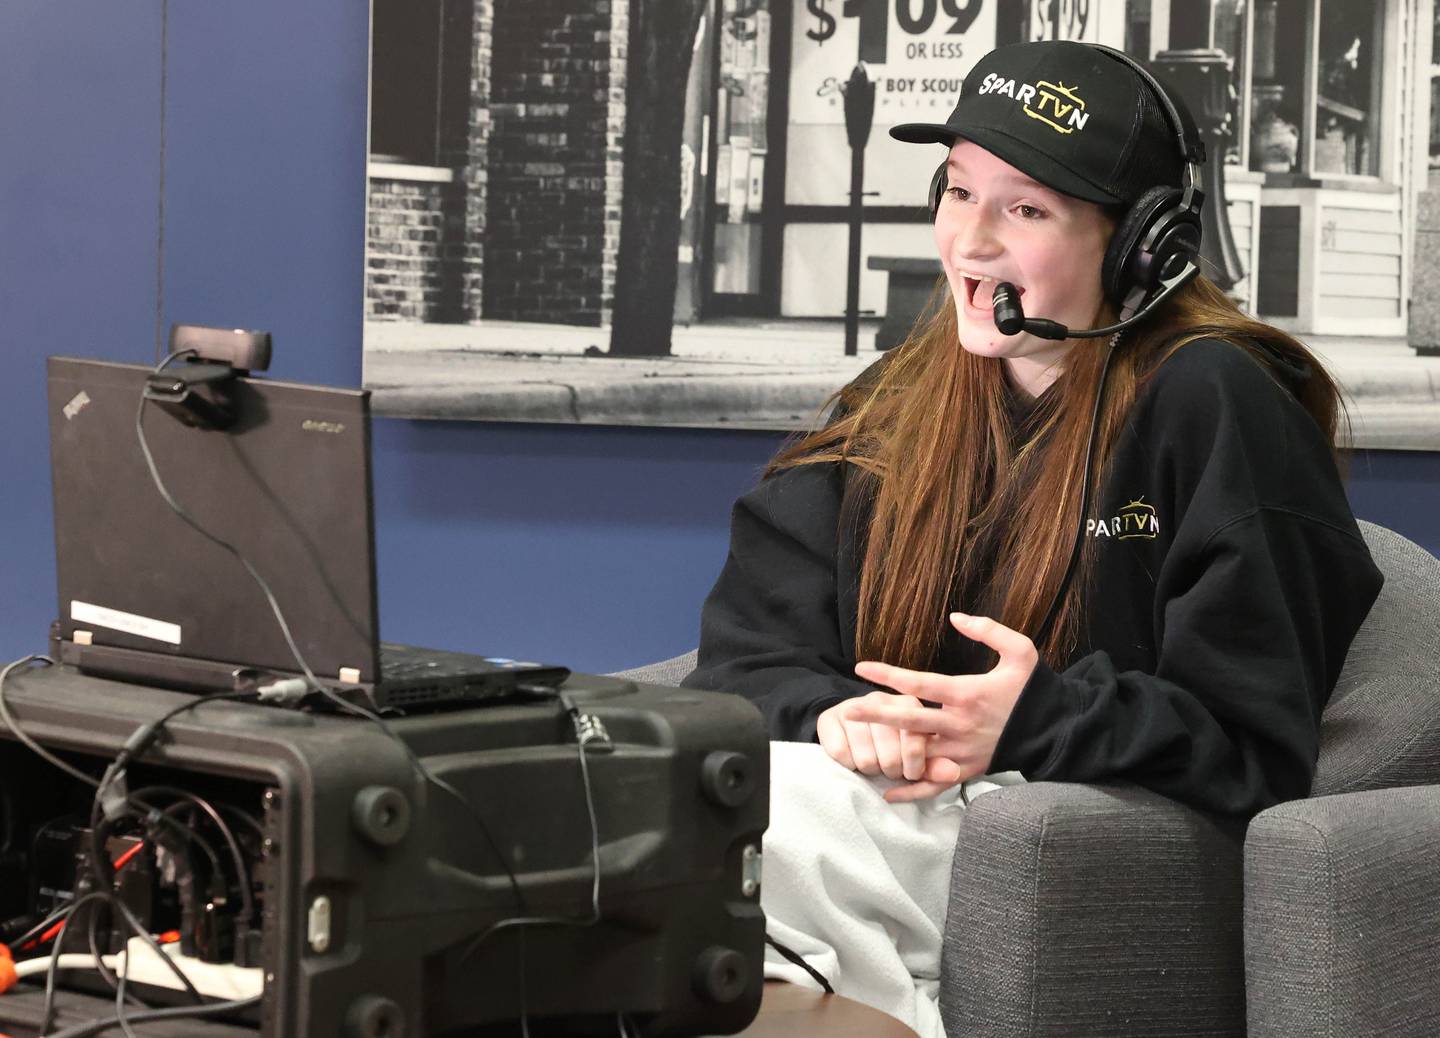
[(688, 212)]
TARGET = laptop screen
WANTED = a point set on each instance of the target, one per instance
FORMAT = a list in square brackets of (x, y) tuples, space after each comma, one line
[(288, 485)]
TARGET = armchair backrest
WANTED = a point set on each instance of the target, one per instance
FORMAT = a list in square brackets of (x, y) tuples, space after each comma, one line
[(1382, 726)]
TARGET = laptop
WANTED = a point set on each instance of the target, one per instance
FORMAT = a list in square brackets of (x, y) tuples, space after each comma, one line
[(145, 597)]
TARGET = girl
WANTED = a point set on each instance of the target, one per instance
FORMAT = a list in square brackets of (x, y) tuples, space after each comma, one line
[(929, 588)]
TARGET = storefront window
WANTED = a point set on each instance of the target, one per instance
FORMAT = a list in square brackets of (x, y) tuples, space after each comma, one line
[(1231, 22), (742, 144), (1315, 72), (1277, 86), (1435, 90), (1435, 118), (1347, 90), (419, 80)]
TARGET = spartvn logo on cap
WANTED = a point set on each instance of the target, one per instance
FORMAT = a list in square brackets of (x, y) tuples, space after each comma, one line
[(1066, 109), (1075, 117)]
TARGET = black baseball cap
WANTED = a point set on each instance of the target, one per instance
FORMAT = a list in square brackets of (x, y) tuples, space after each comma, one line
[(1070, 115)]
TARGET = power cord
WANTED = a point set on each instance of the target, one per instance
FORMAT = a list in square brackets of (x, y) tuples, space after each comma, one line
[(139, 742), (194, 524), (588, 729), (581, 722), (48, 1009), (19, 733), (237, 858), (93, 941), (794, 957), (94, 1027)]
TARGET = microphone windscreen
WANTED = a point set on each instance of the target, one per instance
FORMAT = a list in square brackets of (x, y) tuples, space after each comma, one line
[(1009, 317)]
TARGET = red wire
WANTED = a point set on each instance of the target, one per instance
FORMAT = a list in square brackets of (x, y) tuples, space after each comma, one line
[(50, 934), (124, 859)]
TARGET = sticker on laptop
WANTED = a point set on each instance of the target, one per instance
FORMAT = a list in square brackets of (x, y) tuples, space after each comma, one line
[(130, 623), (77, 404)]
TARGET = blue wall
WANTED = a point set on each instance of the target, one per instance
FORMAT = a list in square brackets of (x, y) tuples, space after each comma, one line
[(587, 546)]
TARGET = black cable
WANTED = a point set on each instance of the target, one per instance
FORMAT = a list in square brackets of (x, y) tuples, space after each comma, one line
[(108, 809), (30, 743), (48, 1007), (212, 538), (40, 927), (93, 940), (94, 1027), (100, 831), (136, 744), (10, 829), (139, 930), (1079, 541), (47, 1010), (792, 956), (244, 816), (144, 737), (594, 917), (185, 882), (120, 1016), (426, 775), (242, 872)]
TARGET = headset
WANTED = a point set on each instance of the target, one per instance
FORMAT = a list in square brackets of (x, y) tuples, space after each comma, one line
[(1153, 253), (1155, 249)]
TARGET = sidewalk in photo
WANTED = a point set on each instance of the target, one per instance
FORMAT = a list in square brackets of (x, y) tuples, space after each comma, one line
[(757, 373)]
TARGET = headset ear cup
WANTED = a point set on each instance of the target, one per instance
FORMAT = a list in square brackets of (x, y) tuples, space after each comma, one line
[(1119, 271), (938, 183)]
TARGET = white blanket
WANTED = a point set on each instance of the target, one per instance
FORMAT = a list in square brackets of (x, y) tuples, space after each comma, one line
[(858, 886)]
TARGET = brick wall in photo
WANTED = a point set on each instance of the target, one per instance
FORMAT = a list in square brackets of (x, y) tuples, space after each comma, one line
[(410, 249), (471, 157), (556, 117)]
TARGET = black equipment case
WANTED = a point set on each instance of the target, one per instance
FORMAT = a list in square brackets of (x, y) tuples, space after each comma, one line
[(371, 884)]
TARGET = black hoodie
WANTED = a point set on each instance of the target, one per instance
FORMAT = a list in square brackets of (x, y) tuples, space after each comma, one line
[(1229, 581)]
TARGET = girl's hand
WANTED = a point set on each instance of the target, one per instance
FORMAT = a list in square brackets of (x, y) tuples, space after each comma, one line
[(962, 735), (873, 749)]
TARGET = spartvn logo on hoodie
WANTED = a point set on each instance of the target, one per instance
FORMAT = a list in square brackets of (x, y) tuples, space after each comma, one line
[(1135, 520)]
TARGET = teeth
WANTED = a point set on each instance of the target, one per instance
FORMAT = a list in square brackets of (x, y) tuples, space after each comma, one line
[(983, 278)]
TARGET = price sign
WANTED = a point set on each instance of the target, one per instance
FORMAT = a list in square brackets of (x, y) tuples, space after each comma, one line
[(917, 53), (1070, 19)]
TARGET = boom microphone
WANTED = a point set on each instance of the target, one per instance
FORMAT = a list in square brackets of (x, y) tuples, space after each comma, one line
[(1010, 316)]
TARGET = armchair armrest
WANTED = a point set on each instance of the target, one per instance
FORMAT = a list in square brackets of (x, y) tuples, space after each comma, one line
[(665, 672), (1080, 910), (1342, 915)]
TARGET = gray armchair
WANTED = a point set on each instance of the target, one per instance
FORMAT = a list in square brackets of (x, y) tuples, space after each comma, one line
[(1107, 910)]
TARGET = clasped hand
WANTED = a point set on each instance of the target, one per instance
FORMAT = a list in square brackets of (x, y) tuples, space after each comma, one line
[(896, 735)]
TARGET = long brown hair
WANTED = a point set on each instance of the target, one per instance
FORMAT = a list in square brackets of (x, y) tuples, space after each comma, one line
[(937, 458)]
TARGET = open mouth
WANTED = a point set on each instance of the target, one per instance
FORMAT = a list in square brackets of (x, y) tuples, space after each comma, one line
[(981, 294)]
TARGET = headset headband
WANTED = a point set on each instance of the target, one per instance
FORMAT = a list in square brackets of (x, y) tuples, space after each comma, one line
[(1187, 134)]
